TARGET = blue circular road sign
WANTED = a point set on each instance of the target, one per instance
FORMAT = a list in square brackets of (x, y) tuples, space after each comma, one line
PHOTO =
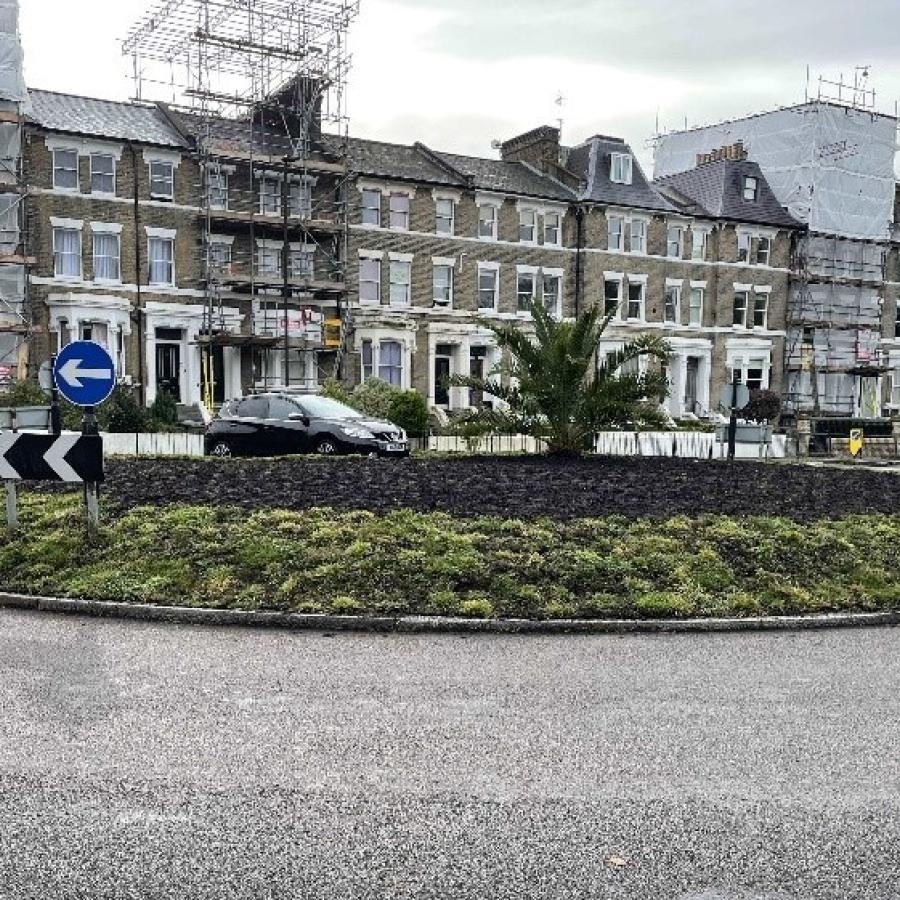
[(84, 373)]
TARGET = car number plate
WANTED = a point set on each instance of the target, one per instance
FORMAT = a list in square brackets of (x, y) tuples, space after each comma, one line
[(396, 448)]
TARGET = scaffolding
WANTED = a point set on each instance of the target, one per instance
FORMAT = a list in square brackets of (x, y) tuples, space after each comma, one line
[(14, 320), (259, 89)]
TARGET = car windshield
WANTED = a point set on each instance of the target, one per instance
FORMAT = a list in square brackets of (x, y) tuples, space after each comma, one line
[(326, 408)]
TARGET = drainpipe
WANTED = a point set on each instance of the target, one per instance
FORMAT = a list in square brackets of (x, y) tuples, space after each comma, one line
[(139, 312), (579, 258)]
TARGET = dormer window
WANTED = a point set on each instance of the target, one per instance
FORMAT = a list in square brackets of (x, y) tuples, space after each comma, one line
[(751, 187), (620, 168)]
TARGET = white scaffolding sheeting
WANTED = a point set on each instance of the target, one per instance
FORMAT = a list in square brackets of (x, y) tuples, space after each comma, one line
[(12, 79), (832, 166)]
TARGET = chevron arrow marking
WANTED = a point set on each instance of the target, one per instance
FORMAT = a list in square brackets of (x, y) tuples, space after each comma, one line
[(7, 472), (55, 457)]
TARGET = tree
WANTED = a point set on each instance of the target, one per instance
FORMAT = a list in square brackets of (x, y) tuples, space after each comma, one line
[(764, 407), (554, 387)]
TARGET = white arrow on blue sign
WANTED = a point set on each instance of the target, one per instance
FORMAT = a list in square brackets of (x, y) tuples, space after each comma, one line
[(84, 373)]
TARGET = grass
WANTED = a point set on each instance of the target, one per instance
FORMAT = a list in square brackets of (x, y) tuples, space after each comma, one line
[(359, 562)]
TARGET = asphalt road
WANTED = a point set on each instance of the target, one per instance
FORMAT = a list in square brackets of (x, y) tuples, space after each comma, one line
[(145, 761)]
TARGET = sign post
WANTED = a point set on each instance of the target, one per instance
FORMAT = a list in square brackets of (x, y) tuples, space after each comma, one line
[(734, 397), (85, 375)]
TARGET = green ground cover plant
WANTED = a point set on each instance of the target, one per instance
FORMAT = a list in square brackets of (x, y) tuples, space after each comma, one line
[(321, 560)]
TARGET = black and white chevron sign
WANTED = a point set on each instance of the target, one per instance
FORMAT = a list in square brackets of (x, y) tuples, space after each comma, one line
[(73, 458)]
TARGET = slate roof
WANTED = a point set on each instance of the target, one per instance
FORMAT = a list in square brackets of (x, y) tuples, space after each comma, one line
[(507, 177), (400, 161), (717, 188), (102, 118), (591, 162)]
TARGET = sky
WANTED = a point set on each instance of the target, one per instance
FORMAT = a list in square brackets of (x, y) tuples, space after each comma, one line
[(457, 74)]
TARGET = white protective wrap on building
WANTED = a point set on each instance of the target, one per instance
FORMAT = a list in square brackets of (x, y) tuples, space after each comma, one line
[(12, 78), (832, 166)]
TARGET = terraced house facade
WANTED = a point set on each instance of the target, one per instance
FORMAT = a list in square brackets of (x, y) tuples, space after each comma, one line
[(161, 248)]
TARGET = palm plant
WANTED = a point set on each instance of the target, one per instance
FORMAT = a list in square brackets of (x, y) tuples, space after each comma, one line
[(554, 387)]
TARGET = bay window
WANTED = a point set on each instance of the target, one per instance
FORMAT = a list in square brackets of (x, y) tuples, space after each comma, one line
[(390, 362)]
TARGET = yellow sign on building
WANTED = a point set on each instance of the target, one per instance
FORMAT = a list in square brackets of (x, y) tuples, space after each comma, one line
[(856, 441)]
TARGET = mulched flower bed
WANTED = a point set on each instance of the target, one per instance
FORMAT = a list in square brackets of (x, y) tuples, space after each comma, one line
[(518, 487)]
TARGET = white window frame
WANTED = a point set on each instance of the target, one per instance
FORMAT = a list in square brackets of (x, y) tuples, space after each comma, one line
[(697, 287), (68, 226), (763, 294), (112, 158), (635, 281), (532, 272), (524, 213), (402, 210), (162, 235), (637, 226), (380, 365), (760, 258), (744, 238), (621, 168), (747, 291), (750, 188), (376, 257), (104, 230), (489, 202), (699, 238), (400, 264), (556, 275), (265, 195), (370, 209), (678, 288), (677, 244), (58, 168), (438, 218), (156, 194), (449, 264), (494, 269), (610, 218), (549, 215), (220, 190), (618, 279)]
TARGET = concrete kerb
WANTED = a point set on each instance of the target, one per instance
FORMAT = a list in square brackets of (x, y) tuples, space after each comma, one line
[(436, 624)]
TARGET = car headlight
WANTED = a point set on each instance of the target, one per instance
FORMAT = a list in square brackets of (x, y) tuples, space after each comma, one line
[(357, 431)]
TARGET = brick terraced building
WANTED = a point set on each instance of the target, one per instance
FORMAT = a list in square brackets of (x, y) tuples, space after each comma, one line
[(138, 237)]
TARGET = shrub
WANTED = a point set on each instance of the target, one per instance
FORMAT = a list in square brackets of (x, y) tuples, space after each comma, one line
[(334, 390), (409, 410), (764, 407), (121, 413), (164, 409), (23, 393), (373, 397)]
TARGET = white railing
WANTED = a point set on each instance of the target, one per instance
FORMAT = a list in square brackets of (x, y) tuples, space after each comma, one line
[(489, 443), (176, 444)]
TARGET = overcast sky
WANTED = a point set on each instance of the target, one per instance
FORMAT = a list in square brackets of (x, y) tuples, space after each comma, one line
[(456, 74)]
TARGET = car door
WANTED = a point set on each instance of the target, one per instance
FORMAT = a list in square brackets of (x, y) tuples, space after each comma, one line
[(287, 433), (250, 436)]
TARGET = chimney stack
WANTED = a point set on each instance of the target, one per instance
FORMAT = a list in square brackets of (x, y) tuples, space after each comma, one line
[(540, 148)]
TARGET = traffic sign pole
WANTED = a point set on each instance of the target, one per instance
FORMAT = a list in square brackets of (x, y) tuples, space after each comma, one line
[(55, 418), (732, 421), (12, 510)]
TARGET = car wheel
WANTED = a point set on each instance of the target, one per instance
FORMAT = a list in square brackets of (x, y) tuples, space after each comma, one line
[(327, 446), (221, 449)]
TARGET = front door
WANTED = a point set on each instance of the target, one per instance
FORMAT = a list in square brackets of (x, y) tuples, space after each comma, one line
[(442, 375), (477, 370), (690, 384), (168, 369)]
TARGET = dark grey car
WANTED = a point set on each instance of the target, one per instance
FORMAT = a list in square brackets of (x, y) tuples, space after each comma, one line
[(280, 423)]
